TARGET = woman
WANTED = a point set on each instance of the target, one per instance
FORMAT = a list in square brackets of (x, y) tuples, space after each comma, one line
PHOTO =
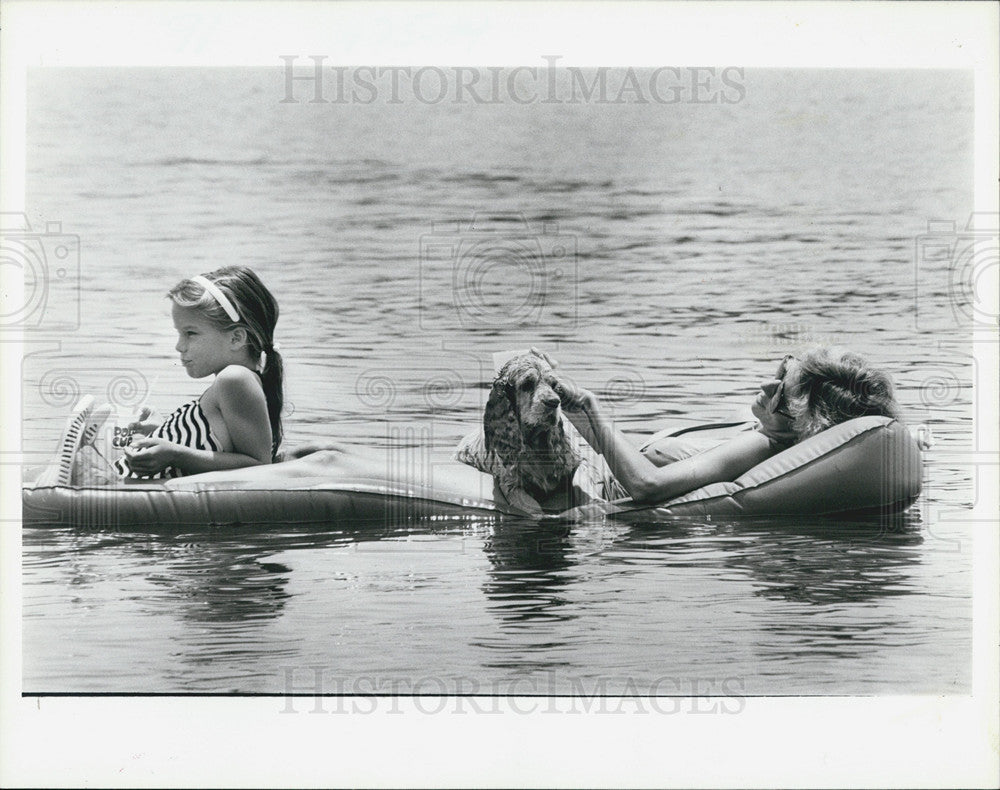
[(806, 396)]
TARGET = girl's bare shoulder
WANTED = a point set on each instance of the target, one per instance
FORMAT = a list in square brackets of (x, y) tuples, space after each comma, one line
[(237, 375), (233, 382)]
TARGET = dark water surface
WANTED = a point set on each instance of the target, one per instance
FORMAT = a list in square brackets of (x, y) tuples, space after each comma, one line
[(667, 255)]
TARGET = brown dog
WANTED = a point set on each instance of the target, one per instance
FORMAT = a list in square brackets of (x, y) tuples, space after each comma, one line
[(525, 433)]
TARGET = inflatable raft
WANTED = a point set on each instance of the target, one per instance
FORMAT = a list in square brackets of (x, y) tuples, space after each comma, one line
[(869, 465)]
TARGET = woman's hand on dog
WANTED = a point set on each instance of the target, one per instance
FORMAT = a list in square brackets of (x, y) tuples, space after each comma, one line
[(572, 397), (542, 355)]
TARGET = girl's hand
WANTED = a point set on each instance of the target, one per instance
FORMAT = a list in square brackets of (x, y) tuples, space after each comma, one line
[(149, 456), (141, 426)]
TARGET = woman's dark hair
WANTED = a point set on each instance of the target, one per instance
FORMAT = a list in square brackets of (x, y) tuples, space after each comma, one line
[(835, 386), (258, 315)]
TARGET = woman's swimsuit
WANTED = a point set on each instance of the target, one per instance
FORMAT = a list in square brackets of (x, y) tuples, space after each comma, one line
[(188, 427)]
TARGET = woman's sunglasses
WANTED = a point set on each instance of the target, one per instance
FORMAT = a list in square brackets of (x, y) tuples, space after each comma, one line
[(779, 395)]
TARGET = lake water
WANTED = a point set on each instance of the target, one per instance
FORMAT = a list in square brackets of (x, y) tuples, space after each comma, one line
[(666, 254)]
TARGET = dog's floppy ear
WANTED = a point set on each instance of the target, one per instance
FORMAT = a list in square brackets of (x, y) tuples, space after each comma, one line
[(501, 428)]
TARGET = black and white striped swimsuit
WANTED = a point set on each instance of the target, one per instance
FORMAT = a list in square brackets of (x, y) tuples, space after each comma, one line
[(187, 426)]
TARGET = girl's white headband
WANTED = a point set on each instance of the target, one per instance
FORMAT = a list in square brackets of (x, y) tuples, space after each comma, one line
[(220, 297)]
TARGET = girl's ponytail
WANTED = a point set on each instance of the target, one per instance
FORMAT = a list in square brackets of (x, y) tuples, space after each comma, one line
[(272, 380)]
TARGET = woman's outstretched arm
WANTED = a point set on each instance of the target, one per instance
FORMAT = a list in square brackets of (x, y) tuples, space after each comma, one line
[(644, 481)]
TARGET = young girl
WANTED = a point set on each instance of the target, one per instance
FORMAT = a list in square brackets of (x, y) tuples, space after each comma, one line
[(225, 326)]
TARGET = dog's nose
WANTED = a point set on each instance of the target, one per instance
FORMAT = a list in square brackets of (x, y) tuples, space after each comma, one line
[(549, 398)]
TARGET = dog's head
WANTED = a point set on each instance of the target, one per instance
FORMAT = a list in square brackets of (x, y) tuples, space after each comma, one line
[(523, 425), (521, 405)]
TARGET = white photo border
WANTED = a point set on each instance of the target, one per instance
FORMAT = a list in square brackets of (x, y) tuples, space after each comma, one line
[(144, 741)]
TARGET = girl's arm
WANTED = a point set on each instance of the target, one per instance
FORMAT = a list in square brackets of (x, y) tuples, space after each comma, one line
[(155, 455), (238, 395), (645, 482)]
